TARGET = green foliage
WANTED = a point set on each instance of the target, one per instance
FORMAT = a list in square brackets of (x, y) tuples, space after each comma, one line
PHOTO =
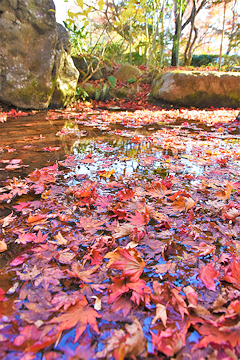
[(112, 80), (114, 50), (81, 93), (232, 60), (203, 60), (134, 31), (137, 59), (132, 80), (78, 37)]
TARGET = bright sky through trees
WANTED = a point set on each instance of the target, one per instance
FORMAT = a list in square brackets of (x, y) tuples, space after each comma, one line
[(212, 40), (61, 9)]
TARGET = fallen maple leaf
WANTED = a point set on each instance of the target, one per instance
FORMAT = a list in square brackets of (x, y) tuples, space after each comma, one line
[(25, 238), (128, 260), (139, 219), (183, 203), (35, 218), (125, 194), (81, 273), (224, 194), (79, 315), (89, 224), (123, 345), (40, 237), (65, 256), (207, 275), (161, 314), (204, 248), (232, 274), (60, 239), (120, 230), (7, 220), (170, 341), (180, 302), (158, 190), (65, 300), (3, 246)]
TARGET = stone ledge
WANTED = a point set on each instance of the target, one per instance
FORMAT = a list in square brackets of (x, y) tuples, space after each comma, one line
[(198, 88)]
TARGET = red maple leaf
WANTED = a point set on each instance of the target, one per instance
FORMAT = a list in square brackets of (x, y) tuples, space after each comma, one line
[(207, 275), (79, 315), (40, 237), (89, 224), (170, 341), (139, 219), (25, 238), (232, 274), (125, 194), (138, 290), (119, 212), (2, 292), (86, 194), (65, 300)]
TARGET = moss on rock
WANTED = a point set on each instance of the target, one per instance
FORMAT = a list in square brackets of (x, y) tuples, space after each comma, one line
[(199, 89)]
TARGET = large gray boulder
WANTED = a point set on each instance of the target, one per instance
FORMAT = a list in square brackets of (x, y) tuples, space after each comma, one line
[(198, 88), (64, 72), (127, 72), (30, 59)]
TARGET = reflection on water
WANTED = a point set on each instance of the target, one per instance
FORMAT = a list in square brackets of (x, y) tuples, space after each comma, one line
[(39, 140)]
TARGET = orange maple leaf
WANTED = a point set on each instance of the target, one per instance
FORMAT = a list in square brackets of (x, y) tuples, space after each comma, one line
[(158, 190), (85, 275), (79, 315), (128, 260), (183, 203), (224, 194)]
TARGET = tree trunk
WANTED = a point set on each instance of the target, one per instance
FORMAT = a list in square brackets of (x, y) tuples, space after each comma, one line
[(187, 54), (174, 45), (177, 35), (222, 36), (130, 43), (162, 33), (234, 10)]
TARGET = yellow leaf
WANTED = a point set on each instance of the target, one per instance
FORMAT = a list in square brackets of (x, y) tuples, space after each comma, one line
[(161, 314), (100, 4), (3, 246), (79, 3)]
